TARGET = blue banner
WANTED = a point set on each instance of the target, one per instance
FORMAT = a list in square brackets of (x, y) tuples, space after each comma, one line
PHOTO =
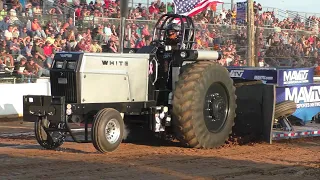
[(241, 12), (307, 99), (267, 75), (279, 77), (293, 77)]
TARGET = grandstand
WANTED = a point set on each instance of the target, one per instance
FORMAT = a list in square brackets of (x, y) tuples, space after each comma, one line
[(33, 32)]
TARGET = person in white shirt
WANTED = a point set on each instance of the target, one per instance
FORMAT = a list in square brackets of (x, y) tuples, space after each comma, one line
[(223, 13), (107, 31), (8, 33)]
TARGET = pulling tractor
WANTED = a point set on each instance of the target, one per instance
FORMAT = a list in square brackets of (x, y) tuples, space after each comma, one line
[(173, 90)]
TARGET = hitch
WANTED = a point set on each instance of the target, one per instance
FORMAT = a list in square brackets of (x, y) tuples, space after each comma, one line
[(159, 119), (284, 124)]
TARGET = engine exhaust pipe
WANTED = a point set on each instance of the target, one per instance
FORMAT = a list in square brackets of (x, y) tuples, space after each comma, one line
[(124, 13)]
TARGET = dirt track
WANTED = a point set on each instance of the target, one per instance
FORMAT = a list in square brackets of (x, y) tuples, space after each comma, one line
[(23, 158)]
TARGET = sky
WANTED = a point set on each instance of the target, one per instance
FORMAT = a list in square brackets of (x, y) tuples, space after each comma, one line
[(311, 6)]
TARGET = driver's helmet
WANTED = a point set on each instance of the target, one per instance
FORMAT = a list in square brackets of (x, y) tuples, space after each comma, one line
[(172, 31)]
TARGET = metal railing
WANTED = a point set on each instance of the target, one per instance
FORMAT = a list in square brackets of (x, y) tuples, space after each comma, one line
[(288, 48)]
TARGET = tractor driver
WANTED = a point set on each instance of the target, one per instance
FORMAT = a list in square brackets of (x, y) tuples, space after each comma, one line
[(172, 32)]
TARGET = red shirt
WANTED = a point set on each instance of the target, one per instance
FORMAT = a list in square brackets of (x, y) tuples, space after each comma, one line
[(107, 3), (47, 50), (140, 44), (153, 9), (78, 12), (145, 32), (311, 40)]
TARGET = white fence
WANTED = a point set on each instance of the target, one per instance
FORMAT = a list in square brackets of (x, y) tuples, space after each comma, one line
[(11, 97)]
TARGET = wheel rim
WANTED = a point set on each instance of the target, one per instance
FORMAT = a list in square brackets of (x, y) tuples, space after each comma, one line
[(112, 131), (216, 107), (51, 139)]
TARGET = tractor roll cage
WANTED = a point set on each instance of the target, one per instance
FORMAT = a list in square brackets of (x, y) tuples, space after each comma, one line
[(187, 33)]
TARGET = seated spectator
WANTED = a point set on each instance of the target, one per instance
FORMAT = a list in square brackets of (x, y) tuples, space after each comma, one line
[(13, 16), (51, 38), (141, 43), (5, 54), (72, 39), (95, 47), (32, 70), (8, 33), (3, 12), (27, 50), (37, 11), (4, 24), (20, 69), (49, 29), (111, 47), (2, 65), (38, 46), (36, 29), (42, 64), (56, 47), (15, 47), (24, 33), (69, 25), (81, 46), (27, 70), (153, 9), (15, 32)]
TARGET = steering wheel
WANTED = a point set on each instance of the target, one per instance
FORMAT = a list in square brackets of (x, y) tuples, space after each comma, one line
[(157, 43)]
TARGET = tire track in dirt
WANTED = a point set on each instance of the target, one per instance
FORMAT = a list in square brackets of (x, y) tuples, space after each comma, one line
[(25, 159)]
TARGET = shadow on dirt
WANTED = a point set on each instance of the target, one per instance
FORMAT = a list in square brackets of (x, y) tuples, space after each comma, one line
[(140, 135), (38, 147), (143, 136), (137, 135), (153, 166)]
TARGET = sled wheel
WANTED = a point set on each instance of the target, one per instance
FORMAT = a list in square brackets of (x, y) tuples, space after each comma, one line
[(204, 105), (107, 131), (51, 140), (285, 109)]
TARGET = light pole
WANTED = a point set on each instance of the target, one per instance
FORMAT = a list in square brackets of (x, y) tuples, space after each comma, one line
[(124, 14), (250, 34)]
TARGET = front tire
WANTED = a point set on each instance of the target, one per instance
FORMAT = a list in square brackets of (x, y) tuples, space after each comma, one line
[(204, 105), (107, 131), (50, 141)]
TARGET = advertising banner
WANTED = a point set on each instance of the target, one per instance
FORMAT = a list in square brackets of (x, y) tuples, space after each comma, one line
[(268, 75), (293, 77), (304, 96), (241, 12), (280, 77)]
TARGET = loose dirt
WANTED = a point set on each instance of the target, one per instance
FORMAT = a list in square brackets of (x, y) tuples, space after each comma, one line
[(22, 158)]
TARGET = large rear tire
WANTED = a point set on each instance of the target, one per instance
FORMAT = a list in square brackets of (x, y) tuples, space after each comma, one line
[(204, 104), (107, 131)]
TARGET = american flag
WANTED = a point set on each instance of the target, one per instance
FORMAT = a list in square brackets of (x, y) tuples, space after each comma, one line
[(192, 7)]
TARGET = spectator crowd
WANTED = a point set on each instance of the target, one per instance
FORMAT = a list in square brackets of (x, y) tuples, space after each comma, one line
[(32, 33)]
